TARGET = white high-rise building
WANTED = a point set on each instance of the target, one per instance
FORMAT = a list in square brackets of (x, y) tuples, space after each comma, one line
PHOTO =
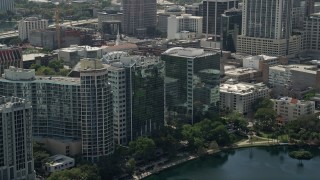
[(178, 25), (6, 5), (96, 110), (16, 160), (267, 28), (30, 23)]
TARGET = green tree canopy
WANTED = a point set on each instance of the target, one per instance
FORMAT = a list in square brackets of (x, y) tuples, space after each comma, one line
[(262, 103), (265, 119), (301, 155), (83, 172), (143, 147), (237, 120)]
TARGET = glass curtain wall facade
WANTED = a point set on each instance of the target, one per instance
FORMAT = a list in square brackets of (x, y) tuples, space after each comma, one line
[(191, 85), (231, 22), (56, 105), (16, 160), (137, 85), (267, 18), (212, 10)]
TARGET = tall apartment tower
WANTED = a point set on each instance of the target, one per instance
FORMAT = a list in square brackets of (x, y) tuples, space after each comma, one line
[(6, 5), (192, 80), (267, 28), (212, 10), (16, 161), (30, 23), (138, 16), (309, 7), (96, 110), (137, 85)]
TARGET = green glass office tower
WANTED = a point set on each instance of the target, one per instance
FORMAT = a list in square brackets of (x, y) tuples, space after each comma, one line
[(137, 85), (192, 79)]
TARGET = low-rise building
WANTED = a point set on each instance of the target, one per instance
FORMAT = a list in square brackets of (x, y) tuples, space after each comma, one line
[(58, 163), (295, 78), (263, 63), (72, 55), (10, 56), (243, 74), (240, 96), (290, 108)]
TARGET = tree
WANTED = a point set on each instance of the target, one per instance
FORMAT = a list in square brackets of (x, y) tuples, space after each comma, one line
[(83, 172), (262, 103), (45, 71), (39, 156), (266, 118), (301, 155), (143, 147), (56, 65), (131, 165), (237, 120)]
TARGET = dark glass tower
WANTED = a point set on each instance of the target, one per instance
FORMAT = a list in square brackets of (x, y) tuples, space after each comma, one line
[(231, 22), (212, 10), (192, 79)]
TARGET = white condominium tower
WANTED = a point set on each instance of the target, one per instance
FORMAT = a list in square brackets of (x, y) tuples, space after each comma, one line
[(267, 28), (16, 161), (96, 110)]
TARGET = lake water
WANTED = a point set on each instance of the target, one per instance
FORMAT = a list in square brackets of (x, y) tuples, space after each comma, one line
[(270, 163)]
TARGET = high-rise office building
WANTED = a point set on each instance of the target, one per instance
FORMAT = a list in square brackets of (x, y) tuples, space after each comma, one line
[(16, 159), (309, 7), (311, 33), (230, 29), (267, 28), (31, 23), (96, 110), (192, 80), (212, 10), (138, 16), (138, 98), (6, 5), (10, 56)]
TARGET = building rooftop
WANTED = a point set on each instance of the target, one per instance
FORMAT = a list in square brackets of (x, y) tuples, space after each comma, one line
[(293, 101), (22, 75), (58, 159), (239, 71), (242, 88), (8, 102), (30, 57), (262, 58), (188, 52), (75, 48), (120, 59), (296, 67)]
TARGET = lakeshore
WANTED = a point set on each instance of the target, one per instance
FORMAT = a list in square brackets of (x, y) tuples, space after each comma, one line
[(189, 157)]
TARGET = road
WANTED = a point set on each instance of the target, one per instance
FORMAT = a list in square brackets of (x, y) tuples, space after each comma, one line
[(11, 34)]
